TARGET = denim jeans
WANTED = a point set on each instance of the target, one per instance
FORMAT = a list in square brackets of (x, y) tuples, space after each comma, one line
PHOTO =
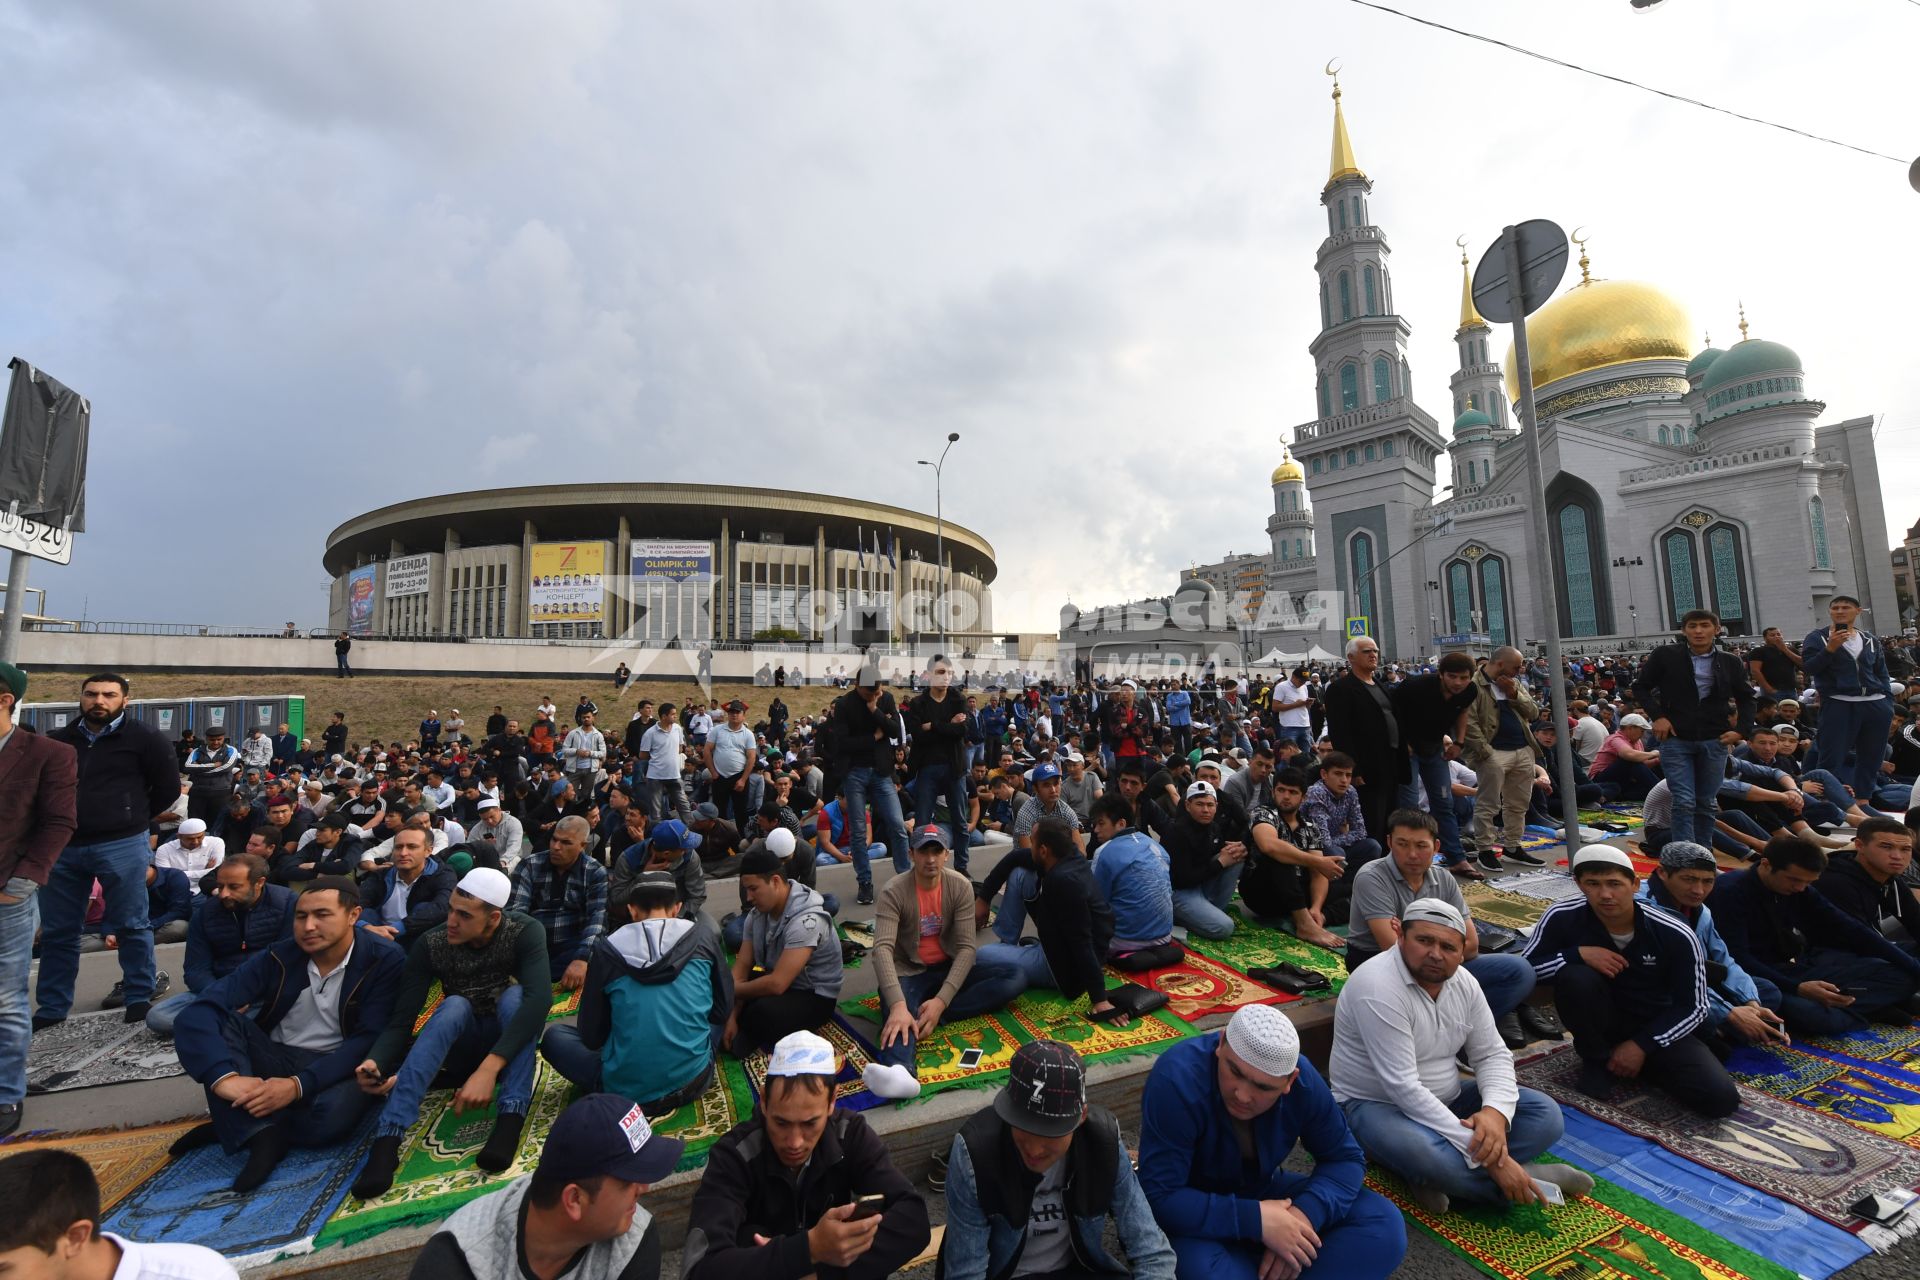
[(990, 985), (1205, 908), (1366, 1241), (455, 1031), (1504, 980), (1694, 770), (121, 868), (862, 854), (164, 1013), (736, 928), (1299, 735), (929, 785), (562, 1048), (1829, 809), (1011, 919), (1424, 1158), (667, 798), (862, 787), (18, 921), (1030, 960), (1437, 778), (1858, 729)]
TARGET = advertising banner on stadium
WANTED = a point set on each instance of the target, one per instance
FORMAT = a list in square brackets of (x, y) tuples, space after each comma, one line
[(407, 575), (675, 561), (360, 594), (567, 582)]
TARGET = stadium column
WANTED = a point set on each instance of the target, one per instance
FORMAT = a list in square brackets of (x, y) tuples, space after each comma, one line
[(437, 611), (820, 582), (528, 536), (723, 575), (619, 572)]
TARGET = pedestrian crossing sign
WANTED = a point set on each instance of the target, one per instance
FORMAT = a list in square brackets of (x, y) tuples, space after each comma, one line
[(1356, 627)]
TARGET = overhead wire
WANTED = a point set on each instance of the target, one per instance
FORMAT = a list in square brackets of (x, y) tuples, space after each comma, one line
[(1629, 83)]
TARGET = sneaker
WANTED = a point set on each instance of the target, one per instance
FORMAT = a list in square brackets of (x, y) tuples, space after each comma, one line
[(136, 1012), (866, 896), (115, 998), (1490, 859), (1524, 858), (161, 983)]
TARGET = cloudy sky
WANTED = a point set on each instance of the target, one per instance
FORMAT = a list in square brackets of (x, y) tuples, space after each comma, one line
[(311, 258)]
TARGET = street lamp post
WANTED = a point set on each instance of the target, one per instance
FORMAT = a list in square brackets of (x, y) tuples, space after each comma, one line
[(1633, 609), (940, 541)]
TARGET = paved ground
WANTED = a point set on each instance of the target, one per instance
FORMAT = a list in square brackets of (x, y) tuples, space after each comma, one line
[(124, 1105)]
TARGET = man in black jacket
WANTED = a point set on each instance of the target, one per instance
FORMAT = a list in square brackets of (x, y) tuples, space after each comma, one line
[(1431, 709), (866, 729), (1073, 920), (1206, 844), (1630, 983), (1701, 706), (128, 774), (937, 719), (778, 1198), (1868, 883), (1362, 724)]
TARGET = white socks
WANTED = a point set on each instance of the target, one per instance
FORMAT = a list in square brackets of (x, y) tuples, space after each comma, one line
[(884, 1080), (1575, 1182)]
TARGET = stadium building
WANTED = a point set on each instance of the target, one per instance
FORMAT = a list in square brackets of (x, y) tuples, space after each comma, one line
[(654, 562)]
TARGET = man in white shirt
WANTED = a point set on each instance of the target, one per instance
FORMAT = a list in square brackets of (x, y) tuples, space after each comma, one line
[(661, 749), (584, 749), (1400, 1021), (192, 851), (55, 1229), (1293, 709)]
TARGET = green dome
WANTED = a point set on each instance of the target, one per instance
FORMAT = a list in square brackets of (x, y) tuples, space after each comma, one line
[(1697, 366), (1471, 418), (1750, 358)]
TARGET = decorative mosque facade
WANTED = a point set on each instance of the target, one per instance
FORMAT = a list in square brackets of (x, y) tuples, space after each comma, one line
[(1675, 479)]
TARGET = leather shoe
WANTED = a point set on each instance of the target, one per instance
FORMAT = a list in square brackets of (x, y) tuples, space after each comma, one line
[(1543, 1021), (9, 1117), (1508, 1025)]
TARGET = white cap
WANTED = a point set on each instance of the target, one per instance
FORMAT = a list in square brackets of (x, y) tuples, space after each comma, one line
[(1602, 854), (193, 827), (486, 802), (1434, 911), (780, 843), (1200, 786), (1634, 720), (490, 886), (802, 1054), (1264, 1038)]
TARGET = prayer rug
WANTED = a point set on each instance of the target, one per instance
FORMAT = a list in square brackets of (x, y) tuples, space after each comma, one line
[(1611, 1234), (1815, 1161), (1778, 1231), (192, 1201), (1199, 986), (704, 1121), (98, 1048), (1254, 946), (437, 1174), (565, 1005), (1867, 1099), (1547, 884), (855, 1054), (1498, 906), (1626, 815), (1038, 1014), (122, 1159), (1892, 1053), (860, 933)]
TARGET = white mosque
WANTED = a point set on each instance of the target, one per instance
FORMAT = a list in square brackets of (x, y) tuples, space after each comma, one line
[(1675, 479)]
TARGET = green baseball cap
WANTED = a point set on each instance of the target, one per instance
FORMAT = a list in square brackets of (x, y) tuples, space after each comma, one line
[(15, 679)]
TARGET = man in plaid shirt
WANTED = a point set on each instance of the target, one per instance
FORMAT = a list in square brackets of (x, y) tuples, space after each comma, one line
[(1334, 807), (566, 892), (1291, 864)]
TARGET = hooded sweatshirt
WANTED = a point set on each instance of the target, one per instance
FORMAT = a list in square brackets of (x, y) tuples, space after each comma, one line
[(482, 1241), (655, 990)]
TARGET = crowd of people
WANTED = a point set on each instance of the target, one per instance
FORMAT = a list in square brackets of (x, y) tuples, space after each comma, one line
[(322, 892)]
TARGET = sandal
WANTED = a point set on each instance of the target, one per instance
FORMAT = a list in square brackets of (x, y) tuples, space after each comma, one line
[(1465, 870)]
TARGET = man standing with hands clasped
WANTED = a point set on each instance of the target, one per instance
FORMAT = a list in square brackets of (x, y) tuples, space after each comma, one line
[(1402, 1018), (732, 751), (1695, 694)]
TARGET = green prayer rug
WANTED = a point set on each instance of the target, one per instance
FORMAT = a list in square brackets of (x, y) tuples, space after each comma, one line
[(1611, 1234), (1254, 946)]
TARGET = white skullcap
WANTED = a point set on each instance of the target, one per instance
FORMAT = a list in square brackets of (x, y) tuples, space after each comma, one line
[(802, 1054), (780, 844), (1599, 854), (490, 886), (1434, 911), (193, 827), (1265, 1039)]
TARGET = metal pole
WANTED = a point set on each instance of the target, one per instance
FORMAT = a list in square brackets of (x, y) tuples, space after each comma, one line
[(940, 559), (16, 601), (1549, 596)]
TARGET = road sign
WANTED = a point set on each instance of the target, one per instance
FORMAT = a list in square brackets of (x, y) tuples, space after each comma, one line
[(1543, 261), (1356, 627), (43, 541), (1464, 640)]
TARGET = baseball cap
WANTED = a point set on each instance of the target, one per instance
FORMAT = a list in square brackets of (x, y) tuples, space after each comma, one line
[(603, 1133), (1044, 772), (1200, 787), (673, 834), (736, 705), (1046, 1089), (931, 833), (335, 821), (14, 679), (707, 809), (1634, 720)]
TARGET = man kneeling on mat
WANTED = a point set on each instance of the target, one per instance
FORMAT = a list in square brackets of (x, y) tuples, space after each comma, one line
[(1401, 1019)]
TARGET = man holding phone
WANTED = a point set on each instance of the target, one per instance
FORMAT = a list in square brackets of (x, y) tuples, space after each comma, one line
[(801, 1187), (1848, 665), (1741, 1007)]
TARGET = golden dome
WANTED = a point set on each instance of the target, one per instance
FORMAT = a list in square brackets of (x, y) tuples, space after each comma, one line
[(1288, 471), (1599, 323)]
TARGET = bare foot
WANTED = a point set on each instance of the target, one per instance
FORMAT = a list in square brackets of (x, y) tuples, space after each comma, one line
[(1321, 938)]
